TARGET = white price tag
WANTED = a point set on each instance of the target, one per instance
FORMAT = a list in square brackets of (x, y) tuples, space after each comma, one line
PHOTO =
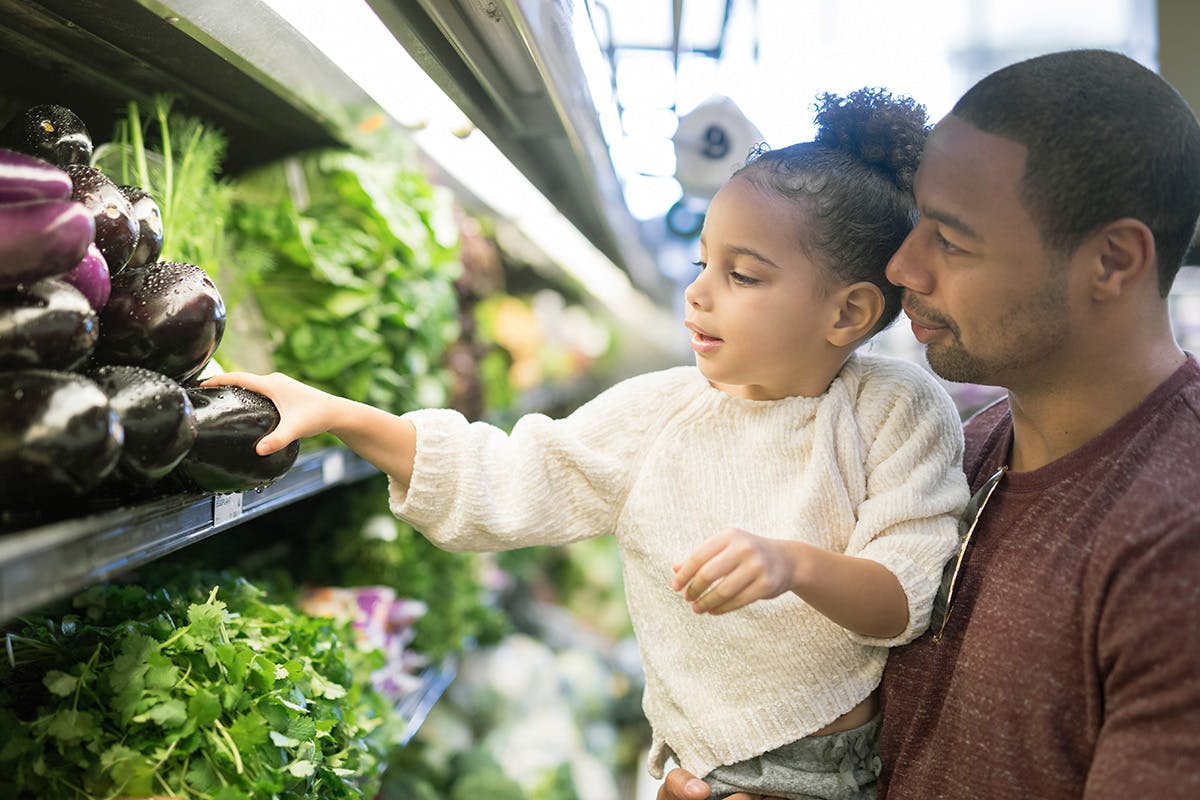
[(333, 468), (226, 508)]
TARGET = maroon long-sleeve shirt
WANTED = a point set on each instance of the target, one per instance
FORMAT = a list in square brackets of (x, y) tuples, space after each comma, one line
[(1070, 666)]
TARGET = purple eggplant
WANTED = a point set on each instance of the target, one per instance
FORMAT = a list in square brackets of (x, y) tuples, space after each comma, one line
[(59, 437), (41, 239), (167, 316), (150, 226), (48, 325), (231, 420), (159, 421), (116, 227), (53, 132), (90, 276), (24, 178)]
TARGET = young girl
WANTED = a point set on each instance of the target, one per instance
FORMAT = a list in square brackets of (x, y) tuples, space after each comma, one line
[(782, 468)]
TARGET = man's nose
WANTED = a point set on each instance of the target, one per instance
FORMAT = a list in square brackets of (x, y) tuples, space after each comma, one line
[(907, 267)]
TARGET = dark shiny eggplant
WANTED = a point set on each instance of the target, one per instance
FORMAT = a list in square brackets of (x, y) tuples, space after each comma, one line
[(158, 417), (49, 131), (24, 178), (150, 226), (167, 316), (90, 276), (41, 239), (231, 420), (48, 324), (59, 437), (116, 227)]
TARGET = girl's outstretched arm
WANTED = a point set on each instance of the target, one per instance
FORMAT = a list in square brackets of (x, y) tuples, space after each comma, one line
[(382, 438), (734, 568)]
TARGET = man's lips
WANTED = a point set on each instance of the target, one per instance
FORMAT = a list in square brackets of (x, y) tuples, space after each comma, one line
[(923, 329)]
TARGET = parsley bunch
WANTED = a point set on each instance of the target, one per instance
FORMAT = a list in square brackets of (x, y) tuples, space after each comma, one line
[(179, 692)]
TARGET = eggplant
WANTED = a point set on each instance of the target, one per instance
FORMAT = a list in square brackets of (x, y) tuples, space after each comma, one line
[(49, 131), (116, 227), (167, 316), (230, 421), (158, 418), (48, 325), (24, 177), (150, 226), (59, 437), (90, 276), (41, 239)]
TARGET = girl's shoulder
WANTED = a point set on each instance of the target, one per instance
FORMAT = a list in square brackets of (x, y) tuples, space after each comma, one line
[(892, 381)]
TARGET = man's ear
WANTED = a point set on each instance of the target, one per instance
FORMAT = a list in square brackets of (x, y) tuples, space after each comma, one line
[(1123, 255), (859, 306)]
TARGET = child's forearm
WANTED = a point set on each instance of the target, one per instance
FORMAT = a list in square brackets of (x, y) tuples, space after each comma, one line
[(859, 594), (384, 439)]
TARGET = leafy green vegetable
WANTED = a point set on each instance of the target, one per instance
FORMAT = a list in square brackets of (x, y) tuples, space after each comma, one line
[(174, 691), (352, 260)]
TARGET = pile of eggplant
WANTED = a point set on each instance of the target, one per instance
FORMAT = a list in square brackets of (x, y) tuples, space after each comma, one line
[(101, 343)]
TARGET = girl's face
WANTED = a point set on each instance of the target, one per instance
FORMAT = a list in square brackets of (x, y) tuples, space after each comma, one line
[(760, 308)]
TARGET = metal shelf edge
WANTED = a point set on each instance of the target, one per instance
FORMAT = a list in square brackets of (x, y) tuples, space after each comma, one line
[(45, 563)]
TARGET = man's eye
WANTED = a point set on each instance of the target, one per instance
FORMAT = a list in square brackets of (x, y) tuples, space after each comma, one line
[(946, 244)]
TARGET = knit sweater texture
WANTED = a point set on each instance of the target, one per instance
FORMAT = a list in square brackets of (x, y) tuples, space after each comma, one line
[(662, 461)]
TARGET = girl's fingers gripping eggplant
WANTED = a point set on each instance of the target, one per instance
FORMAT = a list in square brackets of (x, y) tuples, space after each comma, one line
[(231, 420)]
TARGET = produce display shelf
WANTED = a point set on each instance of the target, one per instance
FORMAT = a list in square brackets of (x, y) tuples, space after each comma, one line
[(44, 563)]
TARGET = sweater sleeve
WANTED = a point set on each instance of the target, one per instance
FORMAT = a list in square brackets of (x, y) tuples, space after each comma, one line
[(916, 489), (547, 482)]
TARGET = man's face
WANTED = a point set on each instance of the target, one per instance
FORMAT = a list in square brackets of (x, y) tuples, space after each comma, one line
[(983, 295)]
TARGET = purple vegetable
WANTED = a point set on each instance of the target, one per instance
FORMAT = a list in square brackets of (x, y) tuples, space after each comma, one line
[(49, 131), (25, 177), (230, 421), (59, 437), (116, 227), (150, 226), (47, 324), (90, 276), (41, 239), (159, 421), (167, 316)]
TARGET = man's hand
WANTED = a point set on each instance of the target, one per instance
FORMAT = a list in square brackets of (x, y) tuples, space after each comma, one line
[(683, 785)]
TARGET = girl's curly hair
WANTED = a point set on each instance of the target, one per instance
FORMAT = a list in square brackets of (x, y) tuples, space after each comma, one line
[(852, 183)]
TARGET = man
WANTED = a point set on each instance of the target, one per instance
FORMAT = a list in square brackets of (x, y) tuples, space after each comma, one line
[(1057, 200)]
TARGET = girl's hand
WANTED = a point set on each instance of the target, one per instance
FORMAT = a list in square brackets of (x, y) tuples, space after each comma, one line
[(683, 785), (303, 410), (734, 568)]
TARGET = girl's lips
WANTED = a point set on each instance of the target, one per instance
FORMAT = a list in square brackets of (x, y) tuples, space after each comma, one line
[(702, 343)]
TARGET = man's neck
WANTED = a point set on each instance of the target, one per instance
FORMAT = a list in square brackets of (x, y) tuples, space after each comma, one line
[(1059, 416)]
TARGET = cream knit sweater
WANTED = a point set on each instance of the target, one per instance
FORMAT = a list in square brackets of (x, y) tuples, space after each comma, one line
[(662, 461)]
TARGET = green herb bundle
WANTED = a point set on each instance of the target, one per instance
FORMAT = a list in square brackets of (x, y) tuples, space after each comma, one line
[(352, 261), (176, 692)]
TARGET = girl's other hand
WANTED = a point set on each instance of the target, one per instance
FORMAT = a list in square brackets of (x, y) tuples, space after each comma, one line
[(683, 785), (303, 410), (734, 568)]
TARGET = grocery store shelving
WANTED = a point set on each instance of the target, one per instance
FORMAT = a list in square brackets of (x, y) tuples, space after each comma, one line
[(44, 563)]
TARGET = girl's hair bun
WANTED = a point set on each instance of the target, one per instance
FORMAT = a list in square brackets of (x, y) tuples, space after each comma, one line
[(883, 131)]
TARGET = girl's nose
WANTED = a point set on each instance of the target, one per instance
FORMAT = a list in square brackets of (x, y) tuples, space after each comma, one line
[(693, 295)]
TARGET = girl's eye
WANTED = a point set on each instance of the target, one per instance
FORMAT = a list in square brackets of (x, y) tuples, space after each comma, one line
[(700, 265), (744, 280)]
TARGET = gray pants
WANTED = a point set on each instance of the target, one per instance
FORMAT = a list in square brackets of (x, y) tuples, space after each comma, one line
[(837, 766)]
